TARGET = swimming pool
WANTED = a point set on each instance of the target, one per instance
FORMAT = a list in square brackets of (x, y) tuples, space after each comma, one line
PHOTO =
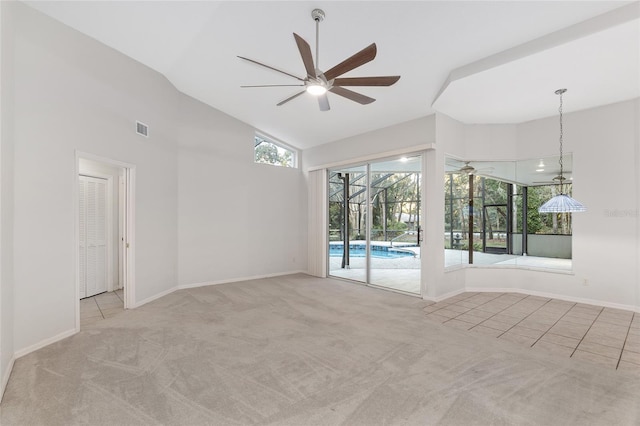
[(358, 250)]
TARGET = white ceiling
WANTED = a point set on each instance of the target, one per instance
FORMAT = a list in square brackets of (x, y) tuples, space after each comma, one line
[(195, 44)]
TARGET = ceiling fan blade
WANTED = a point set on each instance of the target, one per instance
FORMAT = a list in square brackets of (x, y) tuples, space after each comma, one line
[(275, 85), (367, 81), (290, 98), (362, 57), (323, 101), (271, 68), (349, 94), (305, 52)]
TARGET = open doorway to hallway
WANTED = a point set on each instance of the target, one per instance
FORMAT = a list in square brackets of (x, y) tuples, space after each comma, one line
[(103, 239)]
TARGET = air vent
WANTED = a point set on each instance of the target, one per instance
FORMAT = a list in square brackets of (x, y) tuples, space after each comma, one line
[(142, 129)]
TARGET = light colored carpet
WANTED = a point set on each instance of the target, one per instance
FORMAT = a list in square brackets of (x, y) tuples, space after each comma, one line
[(299, 350)]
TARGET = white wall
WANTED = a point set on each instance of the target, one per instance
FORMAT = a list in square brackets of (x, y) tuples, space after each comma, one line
[(406, 135), (6, 196), (72, 93), (204, 212), (236, 219)]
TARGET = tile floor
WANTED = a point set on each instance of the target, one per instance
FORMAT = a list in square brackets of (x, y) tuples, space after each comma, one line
[(101, 306), (605, 336)]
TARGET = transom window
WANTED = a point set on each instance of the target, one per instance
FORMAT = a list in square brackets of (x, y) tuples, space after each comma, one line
[(268, 151)]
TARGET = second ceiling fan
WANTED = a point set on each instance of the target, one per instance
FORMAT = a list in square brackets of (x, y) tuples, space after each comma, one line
[(318, 83)]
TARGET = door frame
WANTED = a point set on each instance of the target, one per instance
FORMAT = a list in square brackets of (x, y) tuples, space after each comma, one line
[(128, 242)]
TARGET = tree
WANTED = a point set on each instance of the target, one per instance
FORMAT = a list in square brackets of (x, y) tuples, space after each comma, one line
[(269, 153)]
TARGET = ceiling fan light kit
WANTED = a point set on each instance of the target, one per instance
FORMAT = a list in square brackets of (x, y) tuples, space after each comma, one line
[(318, 83), (561, 203)]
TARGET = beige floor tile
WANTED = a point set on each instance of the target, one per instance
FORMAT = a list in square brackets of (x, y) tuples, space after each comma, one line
[(545, 318), (90, 314), (633, 339), (486, 331), (110, 305), (553, 348), (587, 307), (507, 319), (614, 320), (634, 331), (533, 324), (108, 313), (595, 358), (629, 368), (632, 346), (577, 312), (515, 313), (617, 313), (577, 319), (437, 318), (461, 325), (89, 321), (517, 338), (556, 339), (490, 308), (445, 312), (467, 304), (430, 308), (457, 308), (470, 318), (577, 331), (633, 357), (615, 342), (441, 304), (480, 313), (498, 325), (599, 349), (524, 331)]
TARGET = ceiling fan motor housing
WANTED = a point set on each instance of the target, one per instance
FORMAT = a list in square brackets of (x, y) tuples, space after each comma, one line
[(317, 15)]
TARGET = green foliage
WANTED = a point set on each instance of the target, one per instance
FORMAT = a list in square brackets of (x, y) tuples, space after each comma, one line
[(397, 226), (269, 153)]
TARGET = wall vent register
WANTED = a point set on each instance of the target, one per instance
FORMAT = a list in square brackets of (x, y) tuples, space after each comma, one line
[(142, 129)]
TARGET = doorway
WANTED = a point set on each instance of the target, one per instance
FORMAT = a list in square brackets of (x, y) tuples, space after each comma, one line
[(104, 235), (375, 223)]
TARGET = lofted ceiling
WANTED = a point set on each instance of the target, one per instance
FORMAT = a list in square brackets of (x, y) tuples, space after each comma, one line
[(195, 45)]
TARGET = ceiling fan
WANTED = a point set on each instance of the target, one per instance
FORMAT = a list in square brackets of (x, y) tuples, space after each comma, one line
[(556, 180), (318, 83), (468, 169)]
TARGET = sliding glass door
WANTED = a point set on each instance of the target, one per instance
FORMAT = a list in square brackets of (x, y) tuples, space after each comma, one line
[(375, 223)]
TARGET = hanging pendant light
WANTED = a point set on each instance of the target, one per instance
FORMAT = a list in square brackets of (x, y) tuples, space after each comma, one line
[(561, 203)]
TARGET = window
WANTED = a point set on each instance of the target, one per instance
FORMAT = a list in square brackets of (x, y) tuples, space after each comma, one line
[(491, 216), (267, 151)]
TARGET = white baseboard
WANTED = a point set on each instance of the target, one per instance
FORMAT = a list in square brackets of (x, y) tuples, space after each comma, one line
[(235, 280), (624, 307), (46, 342), (154, 297), (5, 378), (446, 295), (207, 283)]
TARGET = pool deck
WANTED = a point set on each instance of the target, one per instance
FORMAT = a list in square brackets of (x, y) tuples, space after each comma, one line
[(403, 273)]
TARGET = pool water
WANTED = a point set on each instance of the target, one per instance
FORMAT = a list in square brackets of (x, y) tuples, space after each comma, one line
[(336, 250)]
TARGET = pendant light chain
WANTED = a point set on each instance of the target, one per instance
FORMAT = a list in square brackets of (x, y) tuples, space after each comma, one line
[(561, 138), (561, 203)]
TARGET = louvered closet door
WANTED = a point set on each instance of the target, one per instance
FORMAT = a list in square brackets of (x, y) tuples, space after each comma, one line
[(93, 236)]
